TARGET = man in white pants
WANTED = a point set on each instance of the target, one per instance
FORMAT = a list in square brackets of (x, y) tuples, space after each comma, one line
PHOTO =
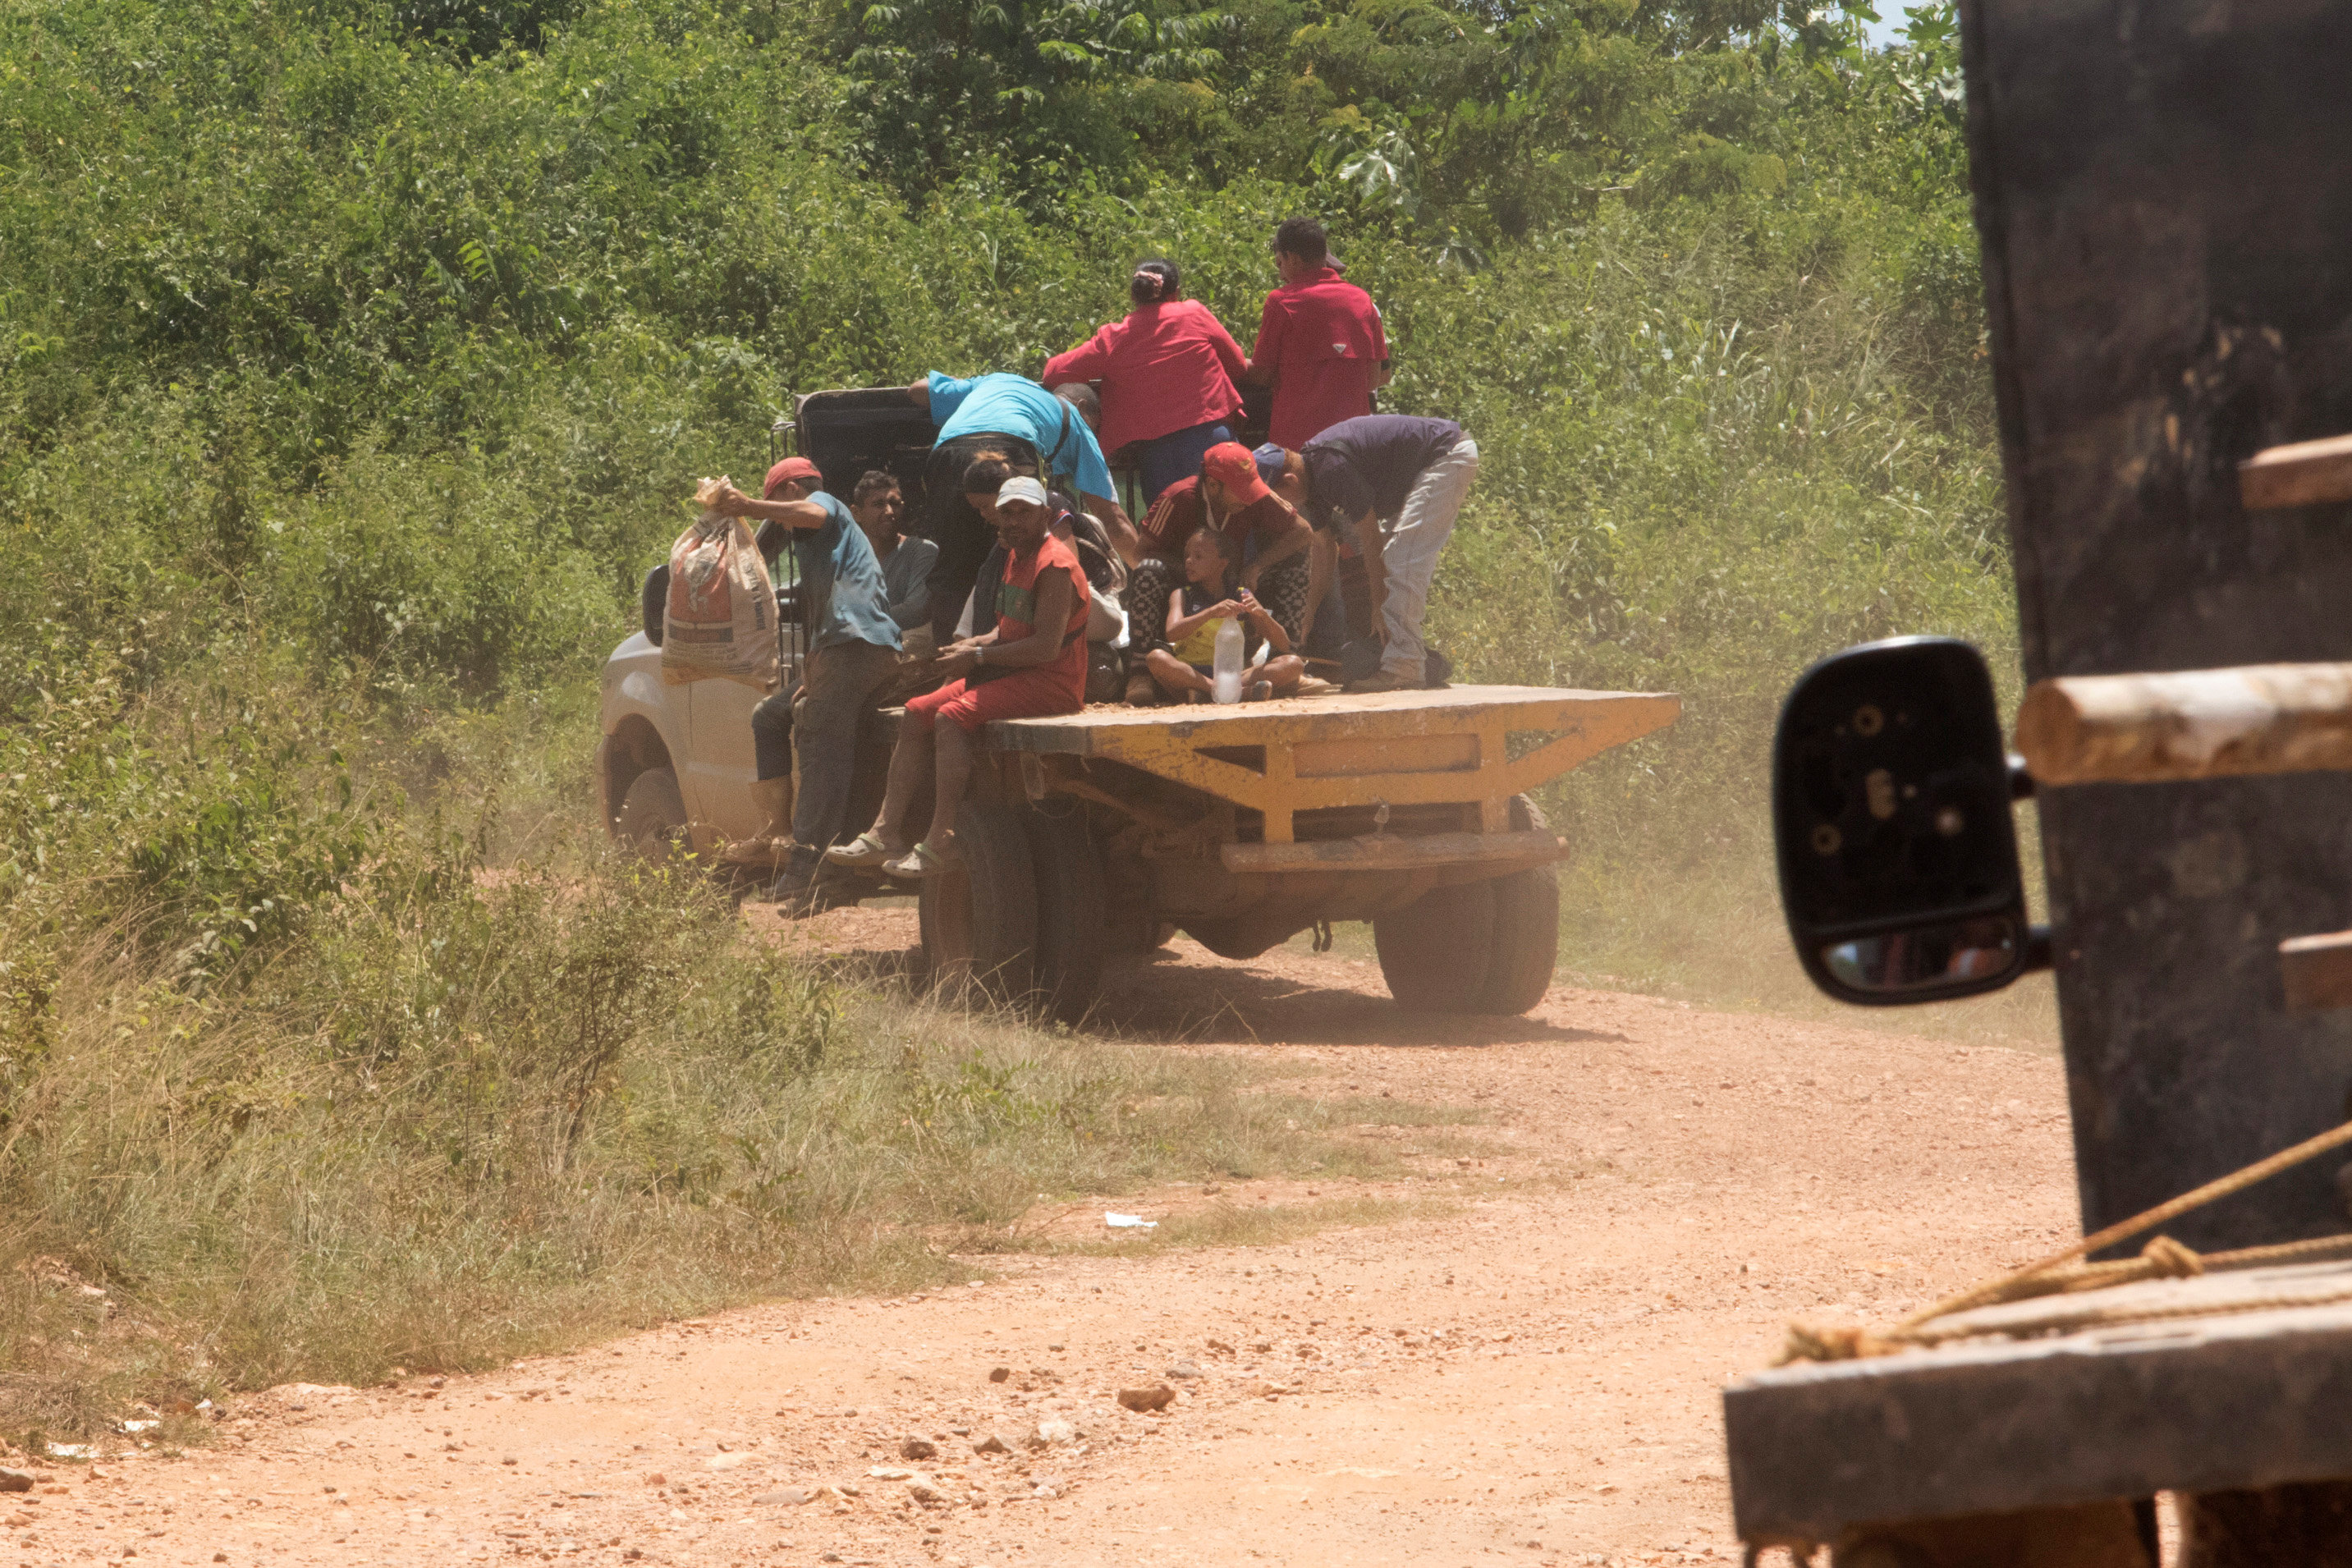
[(1392, 485)]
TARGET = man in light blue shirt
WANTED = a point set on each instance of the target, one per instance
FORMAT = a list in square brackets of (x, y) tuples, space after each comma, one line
[(1049, 434), (853, 655)]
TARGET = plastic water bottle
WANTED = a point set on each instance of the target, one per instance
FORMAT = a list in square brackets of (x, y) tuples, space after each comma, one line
[(1227, 680)]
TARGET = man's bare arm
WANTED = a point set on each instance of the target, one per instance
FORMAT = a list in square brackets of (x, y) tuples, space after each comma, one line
[(1382, 374), (1123, 537), (920, 393), (1299, 536), (1322, 563), (801, 514), (1376, 572)]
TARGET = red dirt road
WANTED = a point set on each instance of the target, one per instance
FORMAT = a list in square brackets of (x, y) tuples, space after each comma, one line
[(1527, 1372)]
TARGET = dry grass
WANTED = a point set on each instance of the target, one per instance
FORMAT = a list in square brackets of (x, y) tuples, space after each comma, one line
[(405, 1142)]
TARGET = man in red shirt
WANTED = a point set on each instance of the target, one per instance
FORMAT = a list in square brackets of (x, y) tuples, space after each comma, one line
[(1321, 344)]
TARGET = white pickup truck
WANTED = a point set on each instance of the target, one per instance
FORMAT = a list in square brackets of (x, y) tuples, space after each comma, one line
[(675, 764)]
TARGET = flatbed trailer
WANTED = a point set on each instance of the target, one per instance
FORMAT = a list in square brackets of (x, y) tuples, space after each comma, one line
[(1103, 831)]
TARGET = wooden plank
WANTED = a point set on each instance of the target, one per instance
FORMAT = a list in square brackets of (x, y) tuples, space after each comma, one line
[(1420, 754), (1094, 732), (2301, 473), (1180, 764), (1425, 736), (1397, 852), (2254, 1399), (2315, 971), (2192, 724)]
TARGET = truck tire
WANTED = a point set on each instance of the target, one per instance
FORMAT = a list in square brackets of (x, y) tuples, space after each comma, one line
[(1435, 951), (1527, 929), (979, 922), (652, 819), (1073, 932)]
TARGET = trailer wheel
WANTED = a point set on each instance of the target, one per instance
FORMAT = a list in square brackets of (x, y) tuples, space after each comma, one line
[(1433, 952), (1527, 929), (652, 819), (1073, 934), (979, 922)]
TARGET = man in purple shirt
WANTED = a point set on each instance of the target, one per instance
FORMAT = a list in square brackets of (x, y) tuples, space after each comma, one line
[(1392, 485)]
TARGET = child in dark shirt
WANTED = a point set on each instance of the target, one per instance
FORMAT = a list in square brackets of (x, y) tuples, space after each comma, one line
[(1185, 666)]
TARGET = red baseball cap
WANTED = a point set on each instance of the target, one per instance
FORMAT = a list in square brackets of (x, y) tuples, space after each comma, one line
[(1230, 464), (790, 468)]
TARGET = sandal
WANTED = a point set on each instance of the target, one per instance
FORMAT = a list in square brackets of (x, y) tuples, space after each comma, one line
[(865, 849), (922, 863)]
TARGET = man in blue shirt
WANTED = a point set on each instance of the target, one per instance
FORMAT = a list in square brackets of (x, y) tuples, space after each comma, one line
[(853, 655), (1013, 418)]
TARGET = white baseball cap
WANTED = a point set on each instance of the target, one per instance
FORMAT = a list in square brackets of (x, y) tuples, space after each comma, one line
[(1021, 487)]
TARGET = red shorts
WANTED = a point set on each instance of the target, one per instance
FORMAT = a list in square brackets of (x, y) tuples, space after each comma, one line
[(1023, 694)]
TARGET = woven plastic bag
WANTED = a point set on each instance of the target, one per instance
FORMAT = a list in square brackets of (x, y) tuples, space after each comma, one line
[(719, 620)]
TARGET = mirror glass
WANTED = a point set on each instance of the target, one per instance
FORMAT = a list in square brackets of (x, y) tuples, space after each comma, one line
[(1931, 956), (1891, 810)]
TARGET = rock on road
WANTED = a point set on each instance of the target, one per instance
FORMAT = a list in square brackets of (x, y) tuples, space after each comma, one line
[(1526, 1371)]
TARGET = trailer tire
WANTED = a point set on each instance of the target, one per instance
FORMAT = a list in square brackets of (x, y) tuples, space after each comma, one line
[(979, 922), (1073, 933), (1527, 929), (652, 818), (1435, 951)]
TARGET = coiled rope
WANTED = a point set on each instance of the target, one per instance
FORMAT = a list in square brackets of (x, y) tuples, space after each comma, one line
[(2162, 1258)]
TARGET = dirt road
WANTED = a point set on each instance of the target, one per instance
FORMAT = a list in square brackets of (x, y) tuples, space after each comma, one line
[(1526, 1372)]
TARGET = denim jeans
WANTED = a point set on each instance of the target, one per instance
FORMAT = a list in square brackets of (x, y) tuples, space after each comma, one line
[(1165, 459), (839, 683)]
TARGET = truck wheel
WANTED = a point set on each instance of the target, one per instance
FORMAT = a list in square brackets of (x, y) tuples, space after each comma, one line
[(1433, 952), (1527, 929), (653, 815), (979, 922), (1073, 934)]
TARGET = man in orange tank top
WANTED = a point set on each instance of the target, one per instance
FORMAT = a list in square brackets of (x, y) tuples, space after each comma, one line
[(1031, 661)]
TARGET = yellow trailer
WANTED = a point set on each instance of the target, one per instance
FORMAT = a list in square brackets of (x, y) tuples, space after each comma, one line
[(1100, 831)]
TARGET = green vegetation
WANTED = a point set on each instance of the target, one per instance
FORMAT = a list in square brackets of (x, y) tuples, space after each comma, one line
[(354, 360)]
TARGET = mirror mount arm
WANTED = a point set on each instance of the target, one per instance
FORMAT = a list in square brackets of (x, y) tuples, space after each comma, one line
[(2020, 781), (2040, 953)]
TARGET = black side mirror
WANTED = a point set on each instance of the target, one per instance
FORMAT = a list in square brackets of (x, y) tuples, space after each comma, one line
[(1890, 793)]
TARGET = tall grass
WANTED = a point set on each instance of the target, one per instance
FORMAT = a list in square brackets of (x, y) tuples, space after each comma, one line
[(466, 1124)]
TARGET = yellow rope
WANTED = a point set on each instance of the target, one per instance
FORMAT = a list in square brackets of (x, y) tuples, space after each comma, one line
[(2212, 1192), (2162, 1258)]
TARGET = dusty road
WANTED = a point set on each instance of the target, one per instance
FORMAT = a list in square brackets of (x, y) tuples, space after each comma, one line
[(1529, 1376)]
